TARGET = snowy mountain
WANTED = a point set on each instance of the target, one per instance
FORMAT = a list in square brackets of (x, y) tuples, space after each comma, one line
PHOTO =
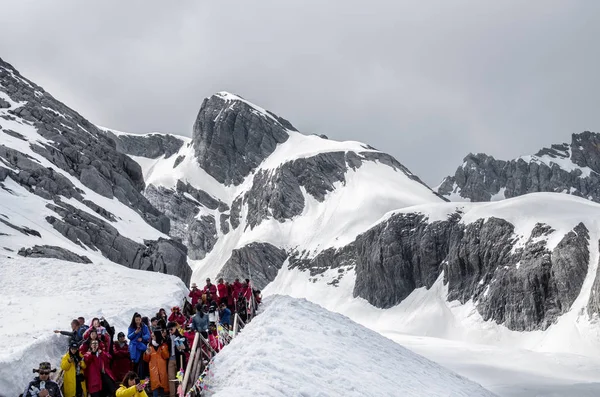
[(66, 191), (339, 223), (247, 187), (308, 350), (563, 168)]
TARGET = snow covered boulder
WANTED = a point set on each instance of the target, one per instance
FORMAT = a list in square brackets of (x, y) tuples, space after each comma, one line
[(296, 348)]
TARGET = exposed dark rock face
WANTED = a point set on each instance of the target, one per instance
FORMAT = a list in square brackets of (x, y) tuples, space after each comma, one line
[(481, 176), (278, 193), (78, 147), (343, 259), (88, 231), (49, 251), (399, 255), (150, 145), (235, 213), (177, 207), (202, 236), (526, 289), (199, 234), (24, 230), (224, 221), (231, 138), (178, 161), (201, 196), (262, 260), (165, 256), (593, 306)]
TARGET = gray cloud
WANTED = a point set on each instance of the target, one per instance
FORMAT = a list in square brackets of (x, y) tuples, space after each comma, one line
[(425, 81)]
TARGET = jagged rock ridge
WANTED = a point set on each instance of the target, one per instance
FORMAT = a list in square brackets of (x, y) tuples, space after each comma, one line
[(563, 168), (71, 148)]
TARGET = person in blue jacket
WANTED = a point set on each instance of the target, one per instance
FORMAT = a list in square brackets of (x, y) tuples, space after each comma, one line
[(225, 315), (139, 335)]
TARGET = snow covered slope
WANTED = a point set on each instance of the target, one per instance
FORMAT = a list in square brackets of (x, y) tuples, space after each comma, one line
[(38, 296), (268, 194), (67, 193), (499, 253), (296, 348)]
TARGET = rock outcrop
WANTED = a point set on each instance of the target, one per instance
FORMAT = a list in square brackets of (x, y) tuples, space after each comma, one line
[(563, 168), (232, 137), (77, 146), (151, 146), (260, 261), (48, 251), (524, 287), (75, 151)]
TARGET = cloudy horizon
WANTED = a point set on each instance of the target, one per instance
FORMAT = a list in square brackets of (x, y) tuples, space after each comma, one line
[(427, 82)]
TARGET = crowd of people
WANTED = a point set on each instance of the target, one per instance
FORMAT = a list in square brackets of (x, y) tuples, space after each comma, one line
[(148, 357)]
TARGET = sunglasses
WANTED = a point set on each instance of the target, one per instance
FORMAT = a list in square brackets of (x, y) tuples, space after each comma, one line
[(44, 373)]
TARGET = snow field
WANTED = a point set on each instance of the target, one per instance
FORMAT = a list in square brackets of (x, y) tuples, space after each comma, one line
[(296, 348), (40, 295)]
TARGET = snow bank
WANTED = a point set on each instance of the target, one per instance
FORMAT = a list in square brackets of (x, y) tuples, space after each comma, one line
[(297, 348), (38, 296)]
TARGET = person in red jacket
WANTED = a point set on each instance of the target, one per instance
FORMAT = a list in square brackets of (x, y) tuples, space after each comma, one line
[(177, 316), (121, 361), (209, 287), (237, 288), (195, 294), (222, 290), (99, 378)]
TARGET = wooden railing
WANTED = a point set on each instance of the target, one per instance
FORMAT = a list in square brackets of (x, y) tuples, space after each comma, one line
[(196, 364)]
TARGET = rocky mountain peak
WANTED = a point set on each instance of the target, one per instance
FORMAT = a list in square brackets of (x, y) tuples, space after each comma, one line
[(562, 168), (232, 136)]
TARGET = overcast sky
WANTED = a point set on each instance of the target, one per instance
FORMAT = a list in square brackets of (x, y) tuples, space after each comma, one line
[(427, 81)]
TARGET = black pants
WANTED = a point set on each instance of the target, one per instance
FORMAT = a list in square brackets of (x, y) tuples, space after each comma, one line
[(78, 388)]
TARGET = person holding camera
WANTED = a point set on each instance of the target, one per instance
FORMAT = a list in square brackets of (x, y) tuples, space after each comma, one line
[(121, 362), (41, 385), (98, 375), (138, 334), (73, 366), (156, 356), (131, 386)]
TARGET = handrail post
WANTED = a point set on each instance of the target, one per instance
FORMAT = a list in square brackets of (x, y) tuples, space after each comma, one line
[(186, 375)]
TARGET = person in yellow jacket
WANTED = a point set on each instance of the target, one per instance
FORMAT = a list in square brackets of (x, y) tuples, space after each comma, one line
[(131, 386), (73, 365)]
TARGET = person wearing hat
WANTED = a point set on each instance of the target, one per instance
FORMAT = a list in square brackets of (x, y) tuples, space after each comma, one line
[(72, 364), (195, 294), (41, 385), (121, 362), (177, 316)]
